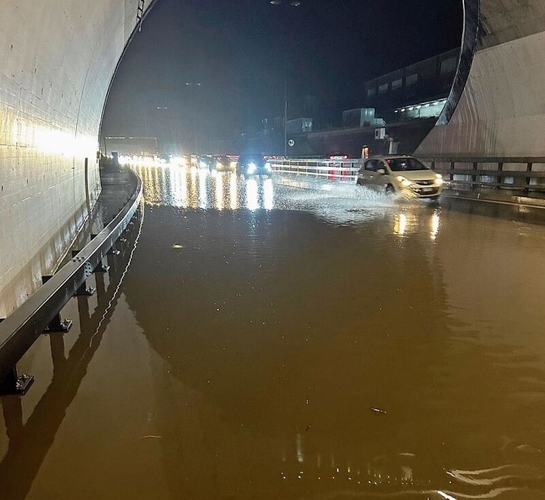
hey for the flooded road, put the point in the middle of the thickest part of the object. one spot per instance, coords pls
(293, 339)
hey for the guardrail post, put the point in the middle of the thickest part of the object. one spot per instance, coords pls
(452, 163)
(101, 268)
(499, 179)
(83, 290)
(15, 384)
(474, 177)
(529, 168)
(57, 324)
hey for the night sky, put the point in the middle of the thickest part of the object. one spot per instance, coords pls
(244, 53)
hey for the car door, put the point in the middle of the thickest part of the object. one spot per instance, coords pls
(367, 174)
(381, 178)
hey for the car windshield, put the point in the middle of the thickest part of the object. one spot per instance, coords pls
(222, 159)
(405, 165)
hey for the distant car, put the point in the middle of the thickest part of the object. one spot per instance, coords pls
(403, 175)
(253, 164)
(338, 157)
(185, 160)
(223, 163)
(205, 161)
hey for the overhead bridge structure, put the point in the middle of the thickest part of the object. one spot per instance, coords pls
(58, 59)
(497, 104)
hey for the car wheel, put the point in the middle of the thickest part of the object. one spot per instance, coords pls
(390, 191)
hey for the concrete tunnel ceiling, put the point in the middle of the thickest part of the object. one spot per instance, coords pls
(58, 61)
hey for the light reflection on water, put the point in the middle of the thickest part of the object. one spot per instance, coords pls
(345, 204)
(197, 188)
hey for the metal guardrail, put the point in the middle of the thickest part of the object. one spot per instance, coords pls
(468, 172)
(41, 312)
(333, 169)
(498, 174)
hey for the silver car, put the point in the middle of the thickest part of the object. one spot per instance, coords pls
(403, 175)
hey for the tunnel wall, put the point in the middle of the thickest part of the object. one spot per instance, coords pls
(57, 60)
(500, 110)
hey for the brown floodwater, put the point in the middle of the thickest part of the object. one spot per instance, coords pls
(292, 339)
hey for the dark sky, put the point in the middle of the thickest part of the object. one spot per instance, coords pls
(244, 51)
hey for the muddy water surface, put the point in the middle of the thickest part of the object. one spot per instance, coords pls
(285, 339)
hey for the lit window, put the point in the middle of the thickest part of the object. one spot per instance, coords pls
(397, 84)
(383, 88)
(371, 92)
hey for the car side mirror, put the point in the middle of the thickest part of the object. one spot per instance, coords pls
(381, 171)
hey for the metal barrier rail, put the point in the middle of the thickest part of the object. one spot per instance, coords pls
(498, 178)
(41, 312)
(473, 177)
(343, 169)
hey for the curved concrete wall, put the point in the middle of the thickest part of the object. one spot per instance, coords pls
(57, 60)
(501, 111)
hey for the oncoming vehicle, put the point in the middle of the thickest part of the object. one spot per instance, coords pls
(205, 161)
(253, 164)
(222, 163)
(404, 175)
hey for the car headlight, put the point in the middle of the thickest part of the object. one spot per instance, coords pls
(251, 168)
(218, 165)
(439, 181)
(404, 182)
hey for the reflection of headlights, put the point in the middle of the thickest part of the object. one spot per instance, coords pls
(404, 182)
(203, 164)
(251, 168)
(267, 166)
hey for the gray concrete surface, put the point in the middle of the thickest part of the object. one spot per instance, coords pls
(57, 61)
(502, 108)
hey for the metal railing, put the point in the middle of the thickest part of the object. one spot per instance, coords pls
(41, 312)
(513, 173)
(332, 169)
(526, 174)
